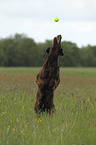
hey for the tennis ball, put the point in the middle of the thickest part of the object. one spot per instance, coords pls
(56, 19)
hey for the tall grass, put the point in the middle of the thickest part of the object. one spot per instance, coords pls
(74, 122)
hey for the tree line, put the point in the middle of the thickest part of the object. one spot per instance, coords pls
(20, 50)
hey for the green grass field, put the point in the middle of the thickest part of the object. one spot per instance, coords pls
(74, 122)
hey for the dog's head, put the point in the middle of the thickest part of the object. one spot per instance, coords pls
(56, 48)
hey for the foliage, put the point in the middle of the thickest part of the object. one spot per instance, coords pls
(20, 50)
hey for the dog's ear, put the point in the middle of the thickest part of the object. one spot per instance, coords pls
(61, 52)
(48, 49)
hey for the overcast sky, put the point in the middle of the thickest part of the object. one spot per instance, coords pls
(77, 19)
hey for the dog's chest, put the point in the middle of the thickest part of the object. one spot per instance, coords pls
(51, 73)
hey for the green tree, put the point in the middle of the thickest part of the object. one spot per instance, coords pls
(19, 50)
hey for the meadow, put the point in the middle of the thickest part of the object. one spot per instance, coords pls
(73, 123)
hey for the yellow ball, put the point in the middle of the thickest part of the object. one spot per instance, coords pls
(56, 19)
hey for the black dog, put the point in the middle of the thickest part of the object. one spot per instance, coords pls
(48, 78)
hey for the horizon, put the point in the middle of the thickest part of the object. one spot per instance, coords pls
(77, 20)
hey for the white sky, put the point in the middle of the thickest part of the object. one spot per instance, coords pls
(77, 19)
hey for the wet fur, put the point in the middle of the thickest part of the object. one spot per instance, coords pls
(48, 79)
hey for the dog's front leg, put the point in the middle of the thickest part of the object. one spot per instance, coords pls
(57, 80)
